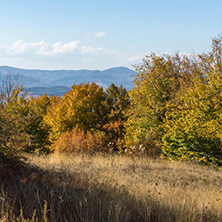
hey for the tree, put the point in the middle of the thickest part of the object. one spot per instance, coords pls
(13, 138)
(118, 102)
(35, 126)
(83, 106)
(193, 125)
(156, 83)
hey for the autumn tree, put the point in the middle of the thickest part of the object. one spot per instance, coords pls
(176, 105)
(84, 106)
(35, 126)
(193, 125)
(156, 83)
(13, 137)
(118, 102)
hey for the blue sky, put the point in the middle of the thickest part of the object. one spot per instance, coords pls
(99, 34)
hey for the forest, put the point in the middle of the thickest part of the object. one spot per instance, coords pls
(173, 111)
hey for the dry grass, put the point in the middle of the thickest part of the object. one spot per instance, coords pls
(82, 187)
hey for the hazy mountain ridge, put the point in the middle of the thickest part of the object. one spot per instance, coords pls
(53, 90)
(57, 82)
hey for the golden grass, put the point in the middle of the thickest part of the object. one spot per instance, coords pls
(81, 187)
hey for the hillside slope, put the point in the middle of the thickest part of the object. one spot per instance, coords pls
(66, 78)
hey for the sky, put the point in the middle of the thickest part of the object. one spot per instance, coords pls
(100, 34)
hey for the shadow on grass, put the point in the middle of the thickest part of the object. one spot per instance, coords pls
(55, 196)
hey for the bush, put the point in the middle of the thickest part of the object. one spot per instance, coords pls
(75, 140)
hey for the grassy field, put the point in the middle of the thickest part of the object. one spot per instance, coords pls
(83, 187)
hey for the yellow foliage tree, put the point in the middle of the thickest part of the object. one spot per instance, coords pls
(193, 125)
(84, 106)
(156, 83)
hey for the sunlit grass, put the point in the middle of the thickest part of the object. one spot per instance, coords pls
(82, 187)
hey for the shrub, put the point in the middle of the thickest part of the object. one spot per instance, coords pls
(75, 140)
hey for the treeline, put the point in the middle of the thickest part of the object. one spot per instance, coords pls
(174, 110)
(86, 118)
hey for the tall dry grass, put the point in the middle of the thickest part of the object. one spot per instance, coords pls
(81, 187)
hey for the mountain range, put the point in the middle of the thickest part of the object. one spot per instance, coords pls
(57, 82)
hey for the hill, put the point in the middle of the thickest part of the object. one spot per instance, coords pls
(57, 82)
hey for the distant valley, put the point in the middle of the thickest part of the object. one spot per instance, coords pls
(58, 82)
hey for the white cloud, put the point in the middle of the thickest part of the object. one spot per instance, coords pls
(134, 59)
(42, 54)
(100, 34)
(41, 48)
(91, 51)
(60, 48)
(21, 47)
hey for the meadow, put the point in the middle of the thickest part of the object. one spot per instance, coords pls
(109, 187)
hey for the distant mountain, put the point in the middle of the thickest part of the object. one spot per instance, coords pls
(57, 82)
(50, 91)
